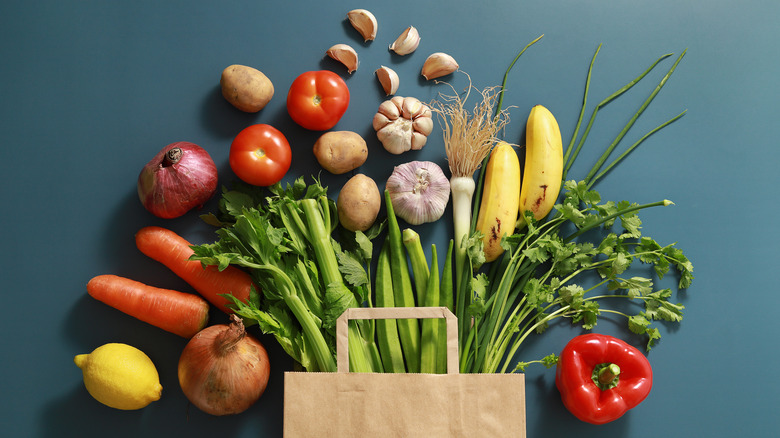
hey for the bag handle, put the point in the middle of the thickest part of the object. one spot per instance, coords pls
(342, 329)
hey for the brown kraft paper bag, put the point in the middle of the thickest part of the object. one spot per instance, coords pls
(344, 404)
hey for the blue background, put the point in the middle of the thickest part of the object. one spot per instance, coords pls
(91, 90)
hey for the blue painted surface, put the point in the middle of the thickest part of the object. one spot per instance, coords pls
(92, 90)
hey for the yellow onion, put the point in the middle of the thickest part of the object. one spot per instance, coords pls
(223, 370)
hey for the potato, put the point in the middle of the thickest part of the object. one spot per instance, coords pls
(340, 151)
(358, 203)
(246, 88)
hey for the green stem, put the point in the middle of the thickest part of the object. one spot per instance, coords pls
(582, 113)
(526, 331)
(633, 208)
(606, 375)
(601, 104)
(634, 146)
(506, 74)
(633, 119)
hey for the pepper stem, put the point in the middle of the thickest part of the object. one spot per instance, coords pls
(606, 375)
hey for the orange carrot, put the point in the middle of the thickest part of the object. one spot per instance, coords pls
(177, 312)
(174, 251)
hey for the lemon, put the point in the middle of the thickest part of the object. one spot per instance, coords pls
(120, 376)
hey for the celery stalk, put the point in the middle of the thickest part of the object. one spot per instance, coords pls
(319, 236)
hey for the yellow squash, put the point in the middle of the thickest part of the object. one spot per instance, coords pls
(500, 199)
(543, 164)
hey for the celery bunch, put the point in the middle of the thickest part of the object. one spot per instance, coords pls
(306, 278)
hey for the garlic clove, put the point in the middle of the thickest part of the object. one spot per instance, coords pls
(388, 78)
(398, 101)
(418, 141)
(407, 42)
(437, 65)
(364, 22)
(411, 107)
(344, 54)
(423, 125)
(380, 121)
(390, 109)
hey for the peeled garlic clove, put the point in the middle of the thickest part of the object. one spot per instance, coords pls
(345, 55)
(407, 42)
(388, 78)
(419, 191)
(437, 65)
(364, 22)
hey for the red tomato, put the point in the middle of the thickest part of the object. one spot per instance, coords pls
(260, 155)
(317, 100)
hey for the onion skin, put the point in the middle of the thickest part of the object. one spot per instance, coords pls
(169, 189)
(223, 370)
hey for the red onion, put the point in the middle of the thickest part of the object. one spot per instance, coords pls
(180, 177)
(223, 370)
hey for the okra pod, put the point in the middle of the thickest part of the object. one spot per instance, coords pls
(408, 329)
(430, 327)
(387, 329)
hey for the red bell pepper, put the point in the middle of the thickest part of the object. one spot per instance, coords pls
(601, 377)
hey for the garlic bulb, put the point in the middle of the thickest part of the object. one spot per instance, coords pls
(419, 191)
(403, 123)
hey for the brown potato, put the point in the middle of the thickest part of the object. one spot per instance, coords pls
(340, 151)
(246, 88)
(358, 203)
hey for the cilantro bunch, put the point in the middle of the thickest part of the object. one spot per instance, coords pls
(536, 280)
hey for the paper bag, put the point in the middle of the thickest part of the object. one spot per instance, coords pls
(344, 404)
